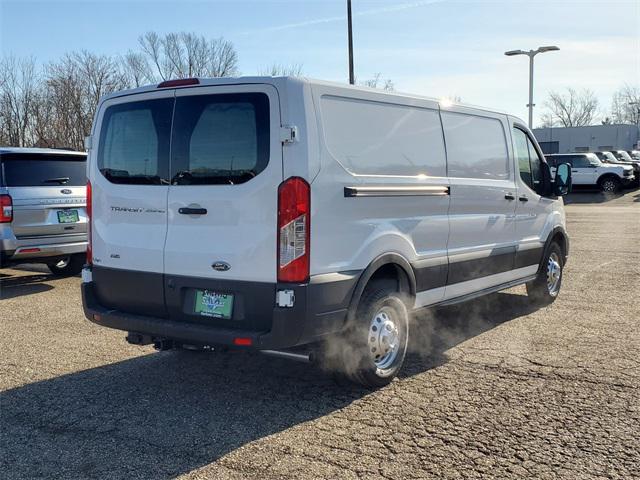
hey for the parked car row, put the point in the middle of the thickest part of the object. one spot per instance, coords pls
(608, 171)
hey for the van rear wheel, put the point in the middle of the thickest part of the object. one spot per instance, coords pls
(376, 344)
(546, 287)
(68, 267)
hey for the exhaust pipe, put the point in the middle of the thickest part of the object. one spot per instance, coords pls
(296, 357)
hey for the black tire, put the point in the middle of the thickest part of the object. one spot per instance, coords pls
(610, 184)
(68, 267)
(546, 287)
(383, 311)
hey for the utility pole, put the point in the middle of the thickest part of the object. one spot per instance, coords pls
(352, 79)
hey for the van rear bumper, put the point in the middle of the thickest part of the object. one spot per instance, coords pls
(320, 309)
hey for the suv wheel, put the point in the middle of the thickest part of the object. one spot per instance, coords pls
(546, 287)
(610, 185)
(374, 348)
(69, 266)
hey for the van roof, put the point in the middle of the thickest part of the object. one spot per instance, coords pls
(288, 80)
(41, 151)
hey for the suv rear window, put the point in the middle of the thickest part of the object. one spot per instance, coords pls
(43, 170)
(219, 139)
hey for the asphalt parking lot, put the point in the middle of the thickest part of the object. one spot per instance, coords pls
(492, 389)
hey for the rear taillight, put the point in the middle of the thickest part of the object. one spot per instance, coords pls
(89, 215)
(6, 209)
(294, 225)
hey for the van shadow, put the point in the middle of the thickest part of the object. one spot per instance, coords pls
(434, 331)
(12, 286)
(168, 413)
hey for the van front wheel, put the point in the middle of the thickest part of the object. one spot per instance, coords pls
(546, 287)
(372, 351)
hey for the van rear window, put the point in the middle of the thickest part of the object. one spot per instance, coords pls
(134, 142)
(44, 170)
(220, 139)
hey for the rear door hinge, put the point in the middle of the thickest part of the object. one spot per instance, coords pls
(288, 134)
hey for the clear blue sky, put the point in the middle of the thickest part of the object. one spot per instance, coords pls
(431, 47)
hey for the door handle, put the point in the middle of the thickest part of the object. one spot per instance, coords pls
(509, 196)
(523, 198)
(574, 171)
(192, 211)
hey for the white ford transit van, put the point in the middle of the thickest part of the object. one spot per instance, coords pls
(270, 213)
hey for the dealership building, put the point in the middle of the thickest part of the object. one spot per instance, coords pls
(588, 139)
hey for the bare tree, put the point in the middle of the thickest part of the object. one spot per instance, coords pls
(573, 109)
(183, 55)
(135, 69)
(625, 105)
(74, 85)
(279, 70)
(19, 93)
(377, 82)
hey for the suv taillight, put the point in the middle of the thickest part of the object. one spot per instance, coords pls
(6, 209)
(89, 215)
(294, 224)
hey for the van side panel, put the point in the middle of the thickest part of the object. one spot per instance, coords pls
(482, 240)
(301, 158)
(379, 147)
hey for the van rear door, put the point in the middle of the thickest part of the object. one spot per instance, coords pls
(226, 165)
(129, 174)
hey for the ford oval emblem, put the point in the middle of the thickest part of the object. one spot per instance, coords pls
(66, 191)
(221, 266)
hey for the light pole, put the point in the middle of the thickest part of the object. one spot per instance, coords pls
(637, 105)
(352, 79)
(531, 54)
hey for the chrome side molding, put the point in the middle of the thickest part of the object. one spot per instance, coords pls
(397, 191)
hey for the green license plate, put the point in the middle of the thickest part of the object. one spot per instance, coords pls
(213, 304)
(68, 216)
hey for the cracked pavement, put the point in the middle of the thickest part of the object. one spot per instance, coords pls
(492, 388)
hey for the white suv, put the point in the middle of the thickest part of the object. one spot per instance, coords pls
(270, 213)
(588, 170)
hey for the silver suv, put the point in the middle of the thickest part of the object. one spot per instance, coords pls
(43, 217)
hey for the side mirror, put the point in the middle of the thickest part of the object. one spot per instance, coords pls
(545, 188)
(562, 180)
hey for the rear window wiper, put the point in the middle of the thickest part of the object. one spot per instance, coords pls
(58, 180)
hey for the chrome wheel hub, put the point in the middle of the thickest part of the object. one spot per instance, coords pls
(609, 186)
(554, 272)
(63, 263)
(384, 339)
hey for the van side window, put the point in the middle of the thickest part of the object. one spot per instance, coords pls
(476, 147)
(374, 138)
(522, 155)
(220, 139)
(536, 166)
(134, 142)
(529, 162)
